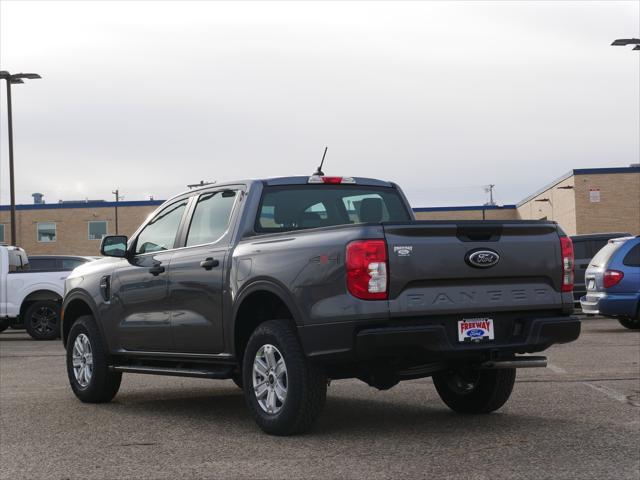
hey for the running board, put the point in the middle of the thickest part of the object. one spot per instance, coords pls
(518, 362)
(219, 373)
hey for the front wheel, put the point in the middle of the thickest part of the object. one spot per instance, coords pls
(88, 365)
(42, 320)
(470, 390)
(284, 392)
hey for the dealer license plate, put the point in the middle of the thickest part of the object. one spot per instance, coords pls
(591, 285)
(475, 329)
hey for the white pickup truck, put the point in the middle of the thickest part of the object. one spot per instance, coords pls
(30, 298)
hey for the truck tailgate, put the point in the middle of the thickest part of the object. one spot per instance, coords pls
(430, 270)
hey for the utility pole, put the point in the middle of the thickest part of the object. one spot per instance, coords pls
(489, 189)
(11, 79)
(116, 192)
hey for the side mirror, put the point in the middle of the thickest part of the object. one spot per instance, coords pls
(114, 246)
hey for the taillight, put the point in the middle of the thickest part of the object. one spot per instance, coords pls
(566, 247)
(330, 180)
(366, 264)
(611, 278)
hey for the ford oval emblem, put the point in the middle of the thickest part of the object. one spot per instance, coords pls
(475, 332)
(482, 258)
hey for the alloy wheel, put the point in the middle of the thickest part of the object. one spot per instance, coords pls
(270, 379)
(44, 320)
(82, 360)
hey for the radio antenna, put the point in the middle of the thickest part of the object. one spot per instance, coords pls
(319, 170)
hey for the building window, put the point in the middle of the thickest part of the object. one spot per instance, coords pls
(47, 232)
(1, 233)
(97, 230)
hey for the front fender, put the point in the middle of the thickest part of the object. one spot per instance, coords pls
(81, 295)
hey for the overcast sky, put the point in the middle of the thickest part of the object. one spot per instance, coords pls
(441, 97)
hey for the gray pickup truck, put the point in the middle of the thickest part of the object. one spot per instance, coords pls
(285, 284)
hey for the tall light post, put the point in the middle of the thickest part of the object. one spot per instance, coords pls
(13, 79)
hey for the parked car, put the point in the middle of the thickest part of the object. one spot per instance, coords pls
(31, 298)
(613, 282)
(584, 248)
(282, 284)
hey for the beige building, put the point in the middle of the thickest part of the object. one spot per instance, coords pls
(589, 200)
(74, 228)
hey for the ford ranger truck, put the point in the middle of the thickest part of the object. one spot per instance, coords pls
(285, 284)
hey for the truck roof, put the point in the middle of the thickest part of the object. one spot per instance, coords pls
(281, 181)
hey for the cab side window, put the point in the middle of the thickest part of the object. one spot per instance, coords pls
(160, 233)
(632, 259)
(211, 217)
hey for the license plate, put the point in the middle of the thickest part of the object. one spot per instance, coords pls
(591, 285)
(475, 329)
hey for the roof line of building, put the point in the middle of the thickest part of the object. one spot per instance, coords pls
(576, 172)
(464, 207)
(53, 206)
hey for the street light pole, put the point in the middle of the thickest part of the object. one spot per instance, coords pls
(12, 189)
(15, 78)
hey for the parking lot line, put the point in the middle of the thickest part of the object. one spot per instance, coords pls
(611, 393)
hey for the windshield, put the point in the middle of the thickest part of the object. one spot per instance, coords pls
(310, 206)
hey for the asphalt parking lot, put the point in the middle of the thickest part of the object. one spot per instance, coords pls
(579, 418)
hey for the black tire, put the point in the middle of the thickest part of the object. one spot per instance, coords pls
(103, 384)
(475, 391)
(42, 320)
(4, 324)
(630, 323)
(306, 383)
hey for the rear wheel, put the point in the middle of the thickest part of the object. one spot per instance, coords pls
(87, 363)
(284, 392)
(470, 390)
(42, 320)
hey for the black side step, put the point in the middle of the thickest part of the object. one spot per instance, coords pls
(208, 371)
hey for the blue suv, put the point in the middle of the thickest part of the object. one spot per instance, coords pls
(613, 282)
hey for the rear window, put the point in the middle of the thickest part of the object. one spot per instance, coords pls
(310, 206)
(18, 261)
(605, 253)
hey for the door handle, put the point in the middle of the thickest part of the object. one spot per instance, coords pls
(156, 270)
(209, 263)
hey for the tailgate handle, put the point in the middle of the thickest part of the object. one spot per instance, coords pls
(479, 233)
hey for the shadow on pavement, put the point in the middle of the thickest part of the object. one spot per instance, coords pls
(351, 416)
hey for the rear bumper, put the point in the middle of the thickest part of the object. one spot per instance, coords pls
(433, 341)
(611, 304)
